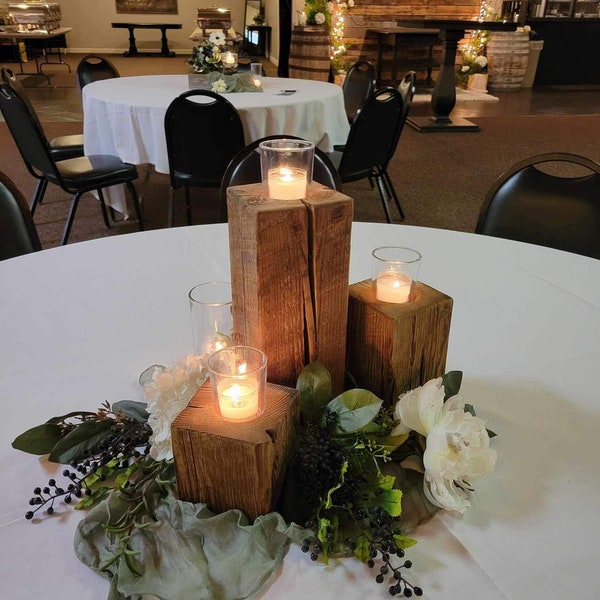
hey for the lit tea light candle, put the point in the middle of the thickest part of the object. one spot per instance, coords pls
(393, 286)
(228, 59)
(287, 183)
(238, 401)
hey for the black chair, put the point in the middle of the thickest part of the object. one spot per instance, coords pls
(202, 138)
(407, 88)
(244, 168)
(359, 84)
(61, 148)
(74, 175)
(94, 68)
(554, 210)
(371, 144)
(18, 234)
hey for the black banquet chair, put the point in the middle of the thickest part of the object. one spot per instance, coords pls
(94, 68)
(360, 83)
(371, 144)
(244, 168)
(18, 234)
(203, 132)
(61, 148)
(407, 88)
(74, 175)
(558, 209)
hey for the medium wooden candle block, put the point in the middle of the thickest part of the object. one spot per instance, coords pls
(393, 348)
(234, 465)
(290, 261)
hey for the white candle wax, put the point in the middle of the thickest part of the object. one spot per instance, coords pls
(393, 286)
(287, 183)
(238, 400)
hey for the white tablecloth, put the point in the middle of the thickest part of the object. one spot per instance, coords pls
(79, 323)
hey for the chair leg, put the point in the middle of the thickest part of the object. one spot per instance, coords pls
(40, 190)
(188, 205)
(103, 207)
(171, 208)
(136, 204)
(69, 224)
(392, 192)
(381, 186)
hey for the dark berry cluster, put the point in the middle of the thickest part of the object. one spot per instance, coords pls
(126, 441)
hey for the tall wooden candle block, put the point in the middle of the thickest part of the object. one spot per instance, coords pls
(290, 261)
(393, 348)
(234, 465)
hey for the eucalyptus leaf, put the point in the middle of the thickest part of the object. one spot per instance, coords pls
(39, 440)
(84, 437)
(452, 381)
(314, 384)
(132, 409)
(355, 409)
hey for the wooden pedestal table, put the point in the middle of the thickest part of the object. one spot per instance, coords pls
(164, 48)
(443, 98)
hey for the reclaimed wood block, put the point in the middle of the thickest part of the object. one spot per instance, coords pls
(393, 348)
(234, 465)
(289, 276)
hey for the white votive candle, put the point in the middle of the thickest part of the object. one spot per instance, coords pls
(393, 286)
(287, 183)
(238, 401)
(228, 58)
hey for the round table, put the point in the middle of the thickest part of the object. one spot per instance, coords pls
(80, 322)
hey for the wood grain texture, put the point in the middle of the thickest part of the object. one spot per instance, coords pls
(234, 465)
(393, 348)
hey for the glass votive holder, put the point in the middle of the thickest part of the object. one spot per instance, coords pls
(229, 60)
(238, 378)
(212, 321)
(395, 272)
(256, 69)
(286, 167)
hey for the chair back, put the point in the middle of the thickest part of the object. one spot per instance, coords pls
(373, 135)
(202, 138)
(26, 131)
(18, 234)
(359, 84)
(531, 205)
(8, 76)
(407, 88)
(94, 68)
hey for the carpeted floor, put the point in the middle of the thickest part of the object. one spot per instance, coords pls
(441, 178)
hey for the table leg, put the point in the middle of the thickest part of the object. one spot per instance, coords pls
(443, 98)
(164, 47)
(133, 51)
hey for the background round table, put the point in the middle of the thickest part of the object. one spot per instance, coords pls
(79, 323)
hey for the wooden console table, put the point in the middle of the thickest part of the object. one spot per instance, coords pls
(133, 51)
(403, 37)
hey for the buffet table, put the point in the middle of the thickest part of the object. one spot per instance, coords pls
(79, 324)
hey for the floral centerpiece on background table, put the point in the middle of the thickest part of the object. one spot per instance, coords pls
(362, 477)
(207, 56)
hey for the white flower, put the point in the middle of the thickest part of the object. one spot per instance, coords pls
(319, 18)
(481, 61)
(457, 443)
(219, 86)
(217, 37)
(351, 3)
(464, 68)
(168, 393)
(329, 7)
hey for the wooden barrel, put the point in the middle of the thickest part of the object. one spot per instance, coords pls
(309, 54)
(507, 53)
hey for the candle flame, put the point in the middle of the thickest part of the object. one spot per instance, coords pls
(242, 368)
(285, 173)
(234, 392)
(396, 284)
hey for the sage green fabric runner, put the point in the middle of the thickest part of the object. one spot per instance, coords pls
(189, 553)
(239, 82)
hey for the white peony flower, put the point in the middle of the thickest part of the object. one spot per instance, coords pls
(319, 18)
(481, 61)
(168, 393)
(219, 86)
(457, 443)
(351, 3)
(217, 37)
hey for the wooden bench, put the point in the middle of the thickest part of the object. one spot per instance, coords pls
(133, 51)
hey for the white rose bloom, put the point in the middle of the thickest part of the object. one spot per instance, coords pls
(351, 3)
(481, 61)
(319, 18)
(457, 450)
(219, 86)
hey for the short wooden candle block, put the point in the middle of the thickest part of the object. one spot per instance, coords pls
(290, 261)
(234, 465)
(393, 348)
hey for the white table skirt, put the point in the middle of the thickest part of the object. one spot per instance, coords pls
(80, 322)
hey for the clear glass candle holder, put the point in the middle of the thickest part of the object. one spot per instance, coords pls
(256, 69)
(229, 60)
(395, 273)
(238, 378)
(286, 167)
(212, 321)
